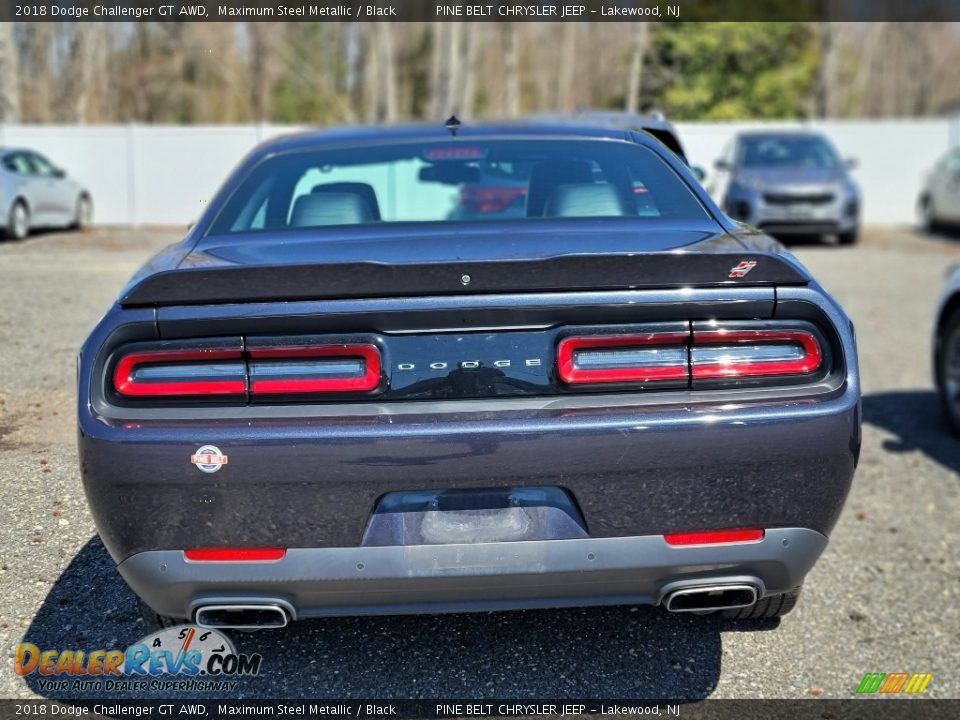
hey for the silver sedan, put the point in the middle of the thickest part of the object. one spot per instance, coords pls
(34, 193)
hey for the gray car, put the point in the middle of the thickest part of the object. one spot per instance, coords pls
(35, 193)
(788, 183)
(939, 203)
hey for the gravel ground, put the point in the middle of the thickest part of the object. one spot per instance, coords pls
(884, 598)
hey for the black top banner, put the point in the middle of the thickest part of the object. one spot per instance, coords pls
(480, 10)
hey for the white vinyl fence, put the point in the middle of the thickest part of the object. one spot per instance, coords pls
(165, 174)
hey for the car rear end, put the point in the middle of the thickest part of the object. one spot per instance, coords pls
(262, 442)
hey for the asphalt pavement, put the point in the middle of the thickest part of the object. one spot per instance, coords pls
(885, 597)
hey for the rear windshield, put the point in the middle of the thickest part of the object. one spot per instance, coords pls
(457, 181)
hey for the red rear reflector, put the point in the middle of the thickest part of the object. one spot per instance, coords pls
(753, 353)
(715, 537)
(317, 369)
(651, 357)
(158, 373)
(234, 554)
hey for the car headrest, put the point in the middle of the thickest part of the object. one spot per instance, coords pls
(547, 176)
(586, 200)
(324, 208)
(364, 190)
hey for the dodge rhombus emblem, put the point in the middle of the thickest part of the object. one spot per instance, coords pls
(742, 268)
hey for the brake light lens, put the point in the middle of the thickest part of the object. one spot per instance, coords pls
(738, 353)
(318, 369)
(177, 373)
(235, 554)
(715, 537)
(643, 358)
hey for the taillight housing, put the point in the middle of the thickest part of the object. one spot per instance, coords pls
(182, 370)
(694, 355)
(743, 352)
(231, 370)
(658, 356)
(341, 368)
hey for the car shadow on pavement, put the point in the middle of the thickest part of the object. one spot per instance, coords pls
(611, 652)
(914, 418)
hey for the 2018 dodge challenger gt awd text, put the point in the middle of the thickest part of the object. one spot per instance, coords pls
(335, 396)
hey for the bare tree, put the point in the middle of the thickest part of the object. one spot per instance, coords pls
(568, 58)
(511, 85)
(635, 76)
(9, 80)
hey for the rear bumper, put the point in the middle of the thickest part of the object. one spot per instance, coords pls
(632, 470)
(312, 582)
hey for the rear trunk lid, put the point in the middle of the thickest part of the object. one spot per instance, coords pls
(423, 259)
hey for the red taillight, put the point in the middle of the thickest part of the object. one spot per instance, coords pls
(318, 369)
(740, 353)
(490, 199)
(235, 554)
(166, 373)
(650, 357)
(714, 537)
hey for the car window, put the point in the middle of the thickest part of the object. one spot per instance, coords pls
(18, 163)
(457, 181)
(772, 151)
(41, 166)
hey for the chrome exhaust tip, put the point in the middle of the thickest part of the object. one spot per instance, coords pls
(241, 617)
(706, 598)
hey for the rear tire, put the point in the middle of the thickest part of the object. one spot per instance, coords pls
(849, 237)
(928, 215)
(154, 621)
(771, 606)
(84, 213)
(948, 383)
(18, 221)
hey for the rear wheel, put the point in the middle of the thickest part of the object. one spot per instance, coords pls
(948, 371)
(18, 221)
(84, 212)
(849, 237)
(928, 215)
(771, 606)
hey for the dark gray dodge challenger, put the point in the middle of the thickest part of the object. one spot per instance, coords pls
(335, 396)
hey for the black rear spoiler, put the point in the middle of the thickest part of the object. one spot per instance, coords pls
(263, 283)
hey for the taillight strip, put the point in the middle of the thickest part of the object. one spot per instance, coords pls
(650, 357)
(288, 370)
(235, 554)
(715, 537)
(126, 382)
(750, 353)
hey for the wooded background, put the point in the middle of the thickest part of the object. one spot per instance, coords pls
(322, 73)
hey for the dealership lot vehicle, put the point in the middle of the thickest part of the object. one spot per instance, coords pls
(37, 194)
(61, 588)
(788, 183)
(939, 202)
(346, 399)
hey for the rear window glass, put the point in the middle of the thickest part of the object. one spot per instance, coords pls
(457, 181)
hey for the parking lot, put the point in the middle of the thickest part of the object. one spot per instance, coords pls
(884, 598)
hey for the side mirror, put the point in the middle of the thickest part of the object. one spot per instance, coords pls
(721, 164)
(852, 163)
(59, 173)
(698, 172)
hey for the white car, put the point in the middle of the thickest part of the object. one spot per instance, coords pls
(939, 203)
(35, 193)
